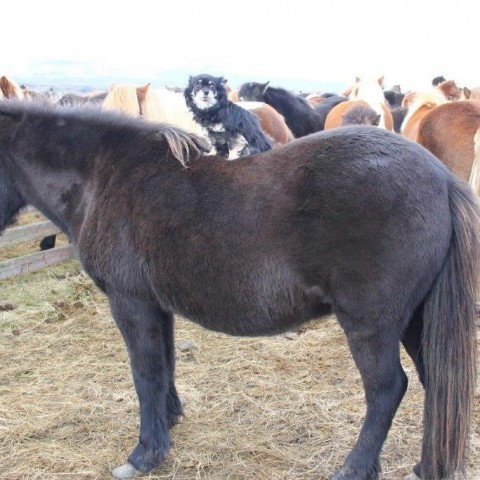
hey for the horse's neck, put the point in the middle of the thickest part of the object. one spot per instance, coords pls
(412, 119)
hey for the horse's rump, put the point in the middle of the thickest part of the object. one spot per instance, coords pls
(449, 132)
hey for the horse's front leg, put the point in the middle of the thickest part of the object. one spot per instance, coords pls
(148, 334)
(375, 349)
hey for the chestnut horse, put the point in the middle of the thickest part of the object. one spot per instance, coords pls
(272, 122)
(357, 221)
(371, 93)
(452, 133)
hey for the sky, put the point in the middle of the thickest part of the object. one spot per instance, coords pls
(291, 43)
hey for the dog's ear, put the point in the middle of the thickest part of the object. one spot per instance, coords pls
(223, 80)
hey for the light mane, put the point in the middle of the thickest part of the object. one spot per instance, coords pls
(430, 98)
(122, 98)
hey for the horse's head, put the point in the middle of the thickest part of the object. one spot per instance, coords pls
(11, 200)
(450, 90)
(368, 89)
(253, 92)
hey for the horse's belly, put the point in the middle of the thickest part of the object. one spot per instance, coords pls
(244, 313)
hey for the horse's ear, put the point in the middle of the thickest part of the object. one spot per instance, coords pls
(264, 86)
(380, 80)
(144, 88)
(142, 91)
(357, 79)
(466, 92)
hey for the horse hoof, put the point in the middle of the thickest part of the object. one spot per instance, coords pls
(411, 476)
(126, 471)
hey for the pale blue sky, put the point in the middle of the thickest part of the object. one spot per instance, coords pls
(409, 41)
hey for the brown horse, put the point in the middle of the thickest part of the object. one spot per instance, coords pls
(357, 221)
(352, 112)
(452, 133)
(271, 121)
(370, 92)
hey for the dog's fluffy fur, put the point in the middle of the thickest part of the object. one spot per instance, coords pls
(233, 131)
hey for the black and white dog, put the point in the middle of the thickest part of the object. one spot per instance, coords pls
(233, 131)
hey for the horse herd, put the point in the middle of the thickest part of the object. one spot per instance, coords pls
(354, 220)
(444, 119)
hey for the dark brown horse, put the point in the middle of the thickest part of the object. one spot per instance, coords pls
(299, 115)
(357, 221)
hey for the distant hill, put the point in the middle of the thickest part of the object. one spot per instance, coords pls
(67, 76)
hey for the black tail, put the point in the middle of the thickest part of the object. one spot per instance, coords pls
(449, 342)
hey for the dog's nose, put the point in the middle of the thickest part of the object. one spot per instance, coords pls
(206, 92)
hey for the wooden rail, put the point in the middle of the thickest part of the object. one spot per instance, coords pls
(34, 261)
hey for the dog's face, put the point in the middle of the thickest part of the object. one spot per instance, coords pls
(205, 91)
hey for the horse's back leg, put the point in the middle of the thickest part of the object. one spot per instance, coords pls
(148, 334)
(412, 341)
(375, 348)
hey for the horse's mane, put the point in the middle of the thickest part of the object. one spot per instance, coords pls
(160, 105)
(122, 98)
(430, 98)
(184, 146)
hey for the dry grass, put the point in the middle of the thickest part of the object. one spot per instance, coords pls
(261, 409)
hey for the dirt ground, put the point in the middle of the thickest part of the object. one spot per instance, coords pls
(256, 408)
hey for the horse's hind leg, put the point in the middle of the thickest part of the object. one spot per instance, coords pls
(148, 333)
(412, 341)
(375, 349)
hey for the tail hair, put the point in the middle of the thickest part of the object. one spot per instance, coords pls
(449, 342)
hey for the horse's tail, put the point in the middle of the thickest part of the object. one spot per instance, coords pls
(474, 179)
(449, 343)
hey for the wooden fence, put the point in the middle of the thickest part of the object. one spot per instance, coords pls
(34, 261)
